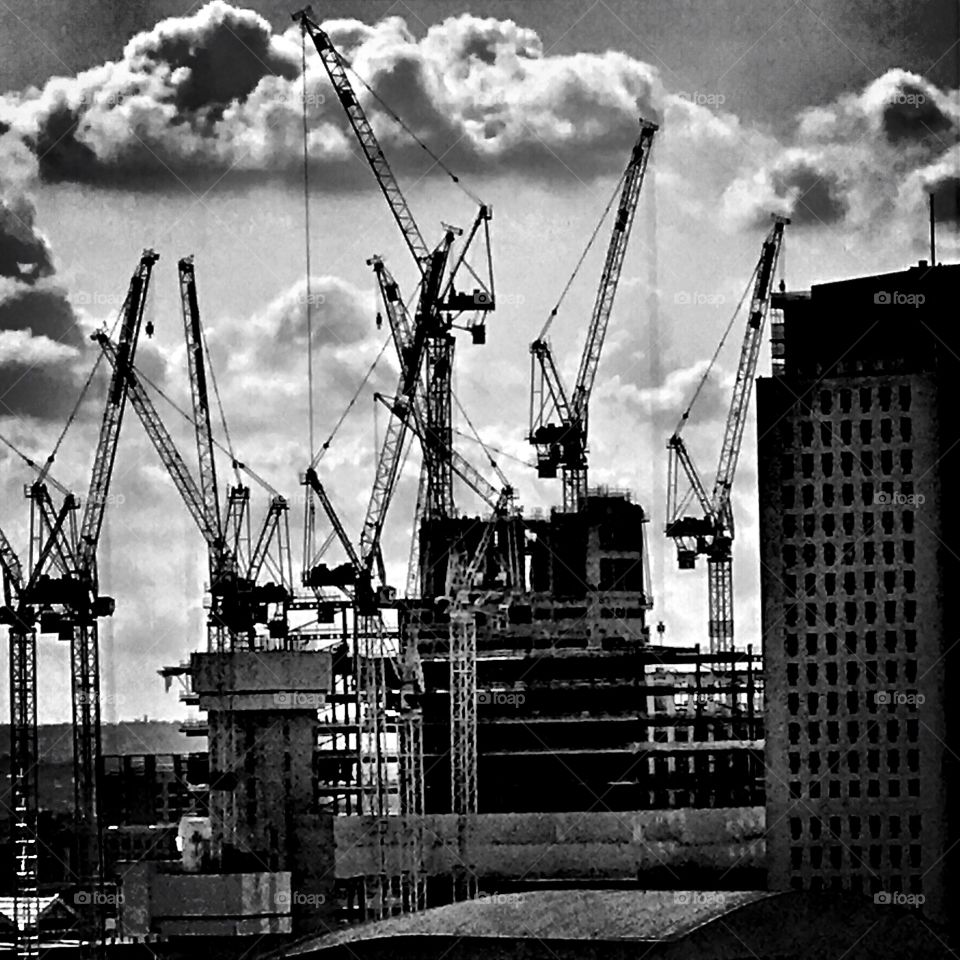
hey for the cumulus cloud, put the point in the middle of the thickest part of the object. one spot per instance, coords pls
(866, 158)
(218, 90)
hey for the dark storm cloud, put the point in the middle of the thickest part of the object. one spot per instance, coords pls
(24, 254)
(818, 196)
(40, 343)
(912, 115)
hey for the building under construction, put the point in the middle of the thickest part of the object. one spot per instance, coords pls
(508, 721)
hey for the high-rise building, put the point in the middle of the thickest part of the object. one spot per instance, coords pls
(859, 463)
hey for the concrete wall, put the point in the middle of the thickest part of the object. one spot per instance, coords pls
(575, 846)
(177, 904)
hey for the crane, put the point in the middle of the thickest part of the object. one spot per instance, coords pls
(440, 305)
(20, 612)
(79, 592)
(563, 444)
(712, 532)
(67, 602)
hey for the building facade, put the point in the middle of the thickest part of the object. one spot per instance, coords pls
(859, 456)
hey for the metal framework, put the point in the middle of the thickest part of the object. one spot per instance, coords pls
(440, 306)
(563, 444)
(711, 534)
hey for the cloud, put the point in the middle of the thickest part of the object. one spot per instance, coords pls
(42, 351)
(217, 91)
(24, 254)
(866, 158)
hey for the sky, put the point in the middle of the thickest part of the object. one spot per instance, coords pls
(124, 126)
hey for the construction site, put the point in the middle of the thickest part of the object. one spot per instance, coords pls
(509, 719)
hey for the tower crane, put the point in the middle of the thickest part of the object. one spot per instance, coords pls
(245, 607)
(229, 622)
(440, 305)
(79, 592)
(20, 613)
(563, 444)
(711, 533)
(67, 602)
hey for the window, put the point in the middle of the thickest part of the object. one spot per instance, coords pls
(864, 399)
(866, 431)
(904, 398)
(906, 431)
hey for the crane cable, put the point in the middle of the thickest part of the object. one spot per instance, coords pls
(266, 485)
(43, 472)
(319, 455)
(716, 353)
(76, 407)
(397, 119)
(476, 437)
(306, 240)
(497, 450)
(583, 256)
(223, 418)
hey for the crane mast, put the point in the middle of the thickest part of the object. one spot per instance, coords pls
(89, 605)
(564, 444)
(712, 533)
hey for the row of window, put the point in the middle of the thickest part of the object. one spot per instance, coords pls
(912, 883)
(888, 492)
(828, 674)
(855, 788)
(817, 644)
(855, 826)
(889, 581)
(890, 522)
(892, 760)
(884, 397)
(850, 552)
(842, 431)
(836, 857)
(830, 703)
(863, 463)
(853, 612)
(830, 731)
